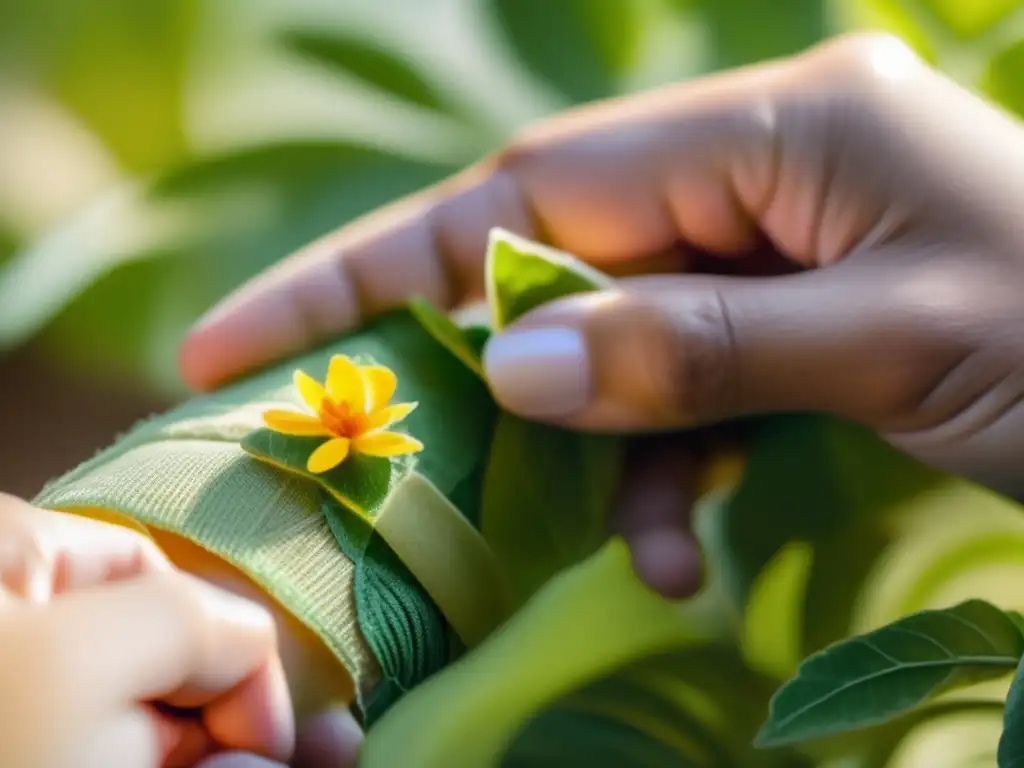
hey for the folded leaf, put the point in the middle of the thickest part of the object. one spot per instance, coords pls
(696, 705)
(587, 622)
(579, 47)
(547, 491)
(566, 738)
(1011, 745)
(262, 521)
(403, 627)
(448, 556)
(185, 472)
(522, 275)
(798, 466)
(872, 678)
(361, 483)
(546, 496)
(465, 344)
(364, 59)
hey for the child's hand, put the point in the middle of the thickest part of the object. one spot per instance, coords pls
(98, 633)
(894, 192)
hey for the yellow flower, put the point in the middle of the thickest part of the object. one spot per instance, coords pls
(352, 409)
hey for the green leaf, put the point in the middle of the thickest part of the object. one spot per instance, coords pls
(745, 32)
(163, 252)
(1004, 78)
(466, 346)
(37, 282)
(1017, 618)
(878, 676)
(774, 620)
(901, 19)
(547, 490)
(971, 19)
(887, 745)
(361, 483)
(368, 61)
(798, 466)
(842, 564)
(694, 706)
(1011, 745)
(565, 738)
(586, 623)
(454, 420)
(580, 47)
(123, 68)
(403, 627)
(546, 495)
(522, 275)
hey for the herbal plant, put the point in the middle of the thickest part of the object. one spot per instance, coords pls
(850, 617)
(656, 684)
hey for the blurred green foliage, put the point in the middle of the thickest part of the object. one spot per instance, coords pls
(207, 215)
(186, 178)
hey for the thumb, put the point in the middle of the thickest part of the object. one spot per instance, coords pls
(665, 352)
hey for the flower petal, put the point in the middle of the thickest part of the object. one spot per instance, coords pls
(310, 390)
(294, 423)
(381, 383)
(386, 444)
(393, 414)
(345, 383)
(328, 456)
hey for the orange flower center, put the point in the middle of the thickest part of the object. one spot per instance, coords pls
(339, 420)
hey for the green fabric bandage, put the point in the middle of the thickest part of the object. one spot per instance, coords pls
(382, 561)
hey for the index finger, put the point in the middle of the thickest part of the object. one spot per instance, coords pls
(614, 183)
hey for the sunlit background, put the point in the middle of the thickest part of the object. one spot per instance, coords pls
(154, 155)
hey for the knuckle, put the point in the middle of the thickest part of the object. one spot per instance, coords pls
(690, 360)
(514, 156)
(703, 360)
(867, 70)
(176, 591)
(184, 610)
(26, 559)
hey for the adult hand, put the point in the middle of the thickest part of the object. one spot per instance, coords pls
(102, 643)
(883, 199)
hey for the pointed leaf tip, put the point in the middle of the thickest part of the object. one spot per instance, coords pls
(521, 275)
(462, 343)
(872, 678)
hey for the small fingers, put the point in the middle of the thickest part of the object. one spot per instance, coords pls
(332, 738)
(170, 637)
(43, 553)
(653, 514)
(239, 760)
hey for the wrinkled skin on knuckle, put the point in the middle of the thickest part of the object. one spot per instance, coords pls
(848, 164)
(958, 328)
(25, 557)
(677, 359)
(187, 610)
(702, 380)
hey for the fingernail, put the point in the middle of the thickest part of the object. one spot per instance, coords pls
(543, 373)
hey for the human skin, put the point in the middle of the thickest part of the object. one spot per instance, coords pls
(876, 202)
(856, 219)
(98, 630)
